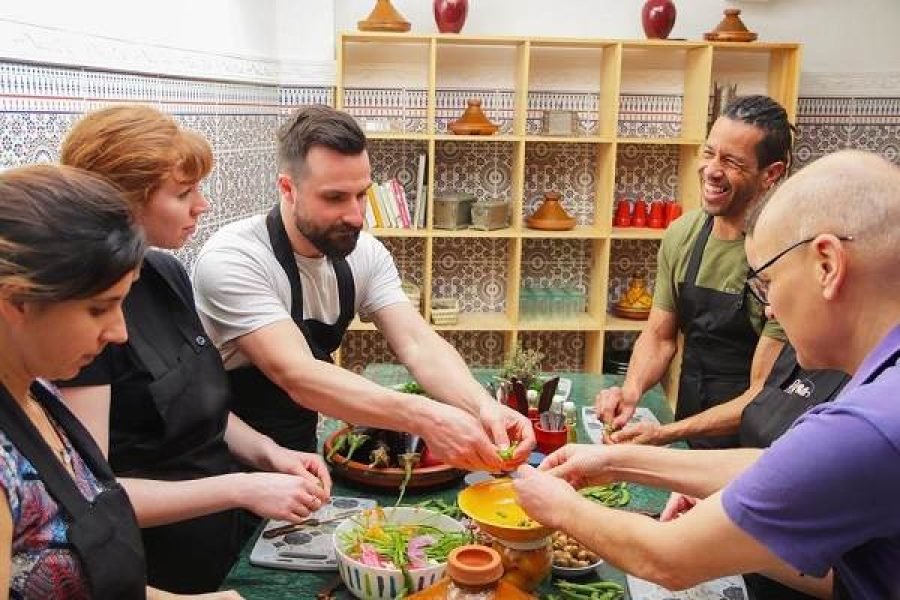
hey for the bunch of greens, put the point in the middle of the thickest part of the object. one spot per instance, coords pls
(614, 495)
(597, 590)
(412, 387)
(524, 365)
(449, 509)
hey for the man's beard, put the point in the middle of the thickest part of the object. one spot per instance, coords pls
(334, 242)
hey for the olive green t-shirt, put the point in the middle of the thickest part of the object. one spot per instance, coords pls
(723, 267)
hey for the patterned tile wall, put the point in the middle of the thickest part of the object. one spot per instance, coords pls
(38, 104)
(563, 351)
(479, 348)
(557, 264)
(567, 168)
(472, 270)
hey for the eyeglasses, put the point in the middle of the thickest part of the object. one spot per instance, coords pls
(760, 288)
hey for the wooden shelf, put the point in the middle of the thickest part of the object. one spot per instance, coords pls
(517, 71)
(582, 322)
(614, 323)
(487, 321)
(397, 135)
(398, 232)
(452, 137)
(659, 141)
(637, 233)
(357, 325)
(508, 232)
(559, 139)
(578, 232)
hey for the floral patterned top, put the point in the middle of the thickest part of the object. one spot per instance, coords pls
(44, 564)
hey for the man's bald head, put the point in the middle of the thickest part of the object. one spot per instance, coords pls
(846, 193)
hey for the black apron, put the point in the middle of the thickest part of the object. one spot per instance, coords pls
(104, 533)
(719, 342)
(190, 391)
(789, 392)
(260, 402)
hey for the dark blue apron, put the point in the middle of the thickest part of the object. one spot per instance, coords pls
(260, 402)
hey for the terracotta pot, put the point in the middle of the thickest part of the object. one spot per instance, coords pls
(658, 18)
(551, 215)
(450, 15)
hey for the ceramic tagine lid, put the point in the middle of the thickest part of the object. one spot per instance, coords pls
(730, 29)
(473, 121)
(551, 215)
(384, 17)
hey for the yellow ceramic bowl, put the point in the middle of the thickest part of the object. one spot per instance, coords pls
(493, 506)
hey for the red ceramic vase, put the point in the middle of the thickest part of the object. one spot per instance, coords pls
(658, 18)
(450, 15)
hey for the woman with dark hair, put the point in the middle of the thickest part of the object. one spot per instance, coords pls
(160, 402)
(69, 252)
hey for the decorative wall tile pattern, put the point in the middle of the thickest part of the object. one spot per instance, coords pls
(563, 351)
(481, 169)
(566, 168)
(360, 348)
(472, 270)
(649, 172)
(586, 107)
(479, 348)
(631, 258)
(403, 110)
(409, 256)
(293, 96)
(557, 263)
(650, 116)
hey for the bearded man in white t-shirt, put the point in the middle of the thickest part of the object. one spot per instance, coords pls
(276, 293)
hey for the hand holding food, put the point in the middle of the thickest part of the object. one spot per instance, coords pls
(581, 465)
(615, 406)
(543, 497)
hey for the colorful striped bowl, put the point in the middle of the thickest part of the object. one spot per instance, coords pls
(371, 583)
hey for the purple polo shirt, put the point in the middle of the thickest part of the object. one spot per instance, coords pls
(827, 494)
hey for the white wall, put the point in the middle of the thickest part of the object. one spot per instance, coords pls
(849, 47)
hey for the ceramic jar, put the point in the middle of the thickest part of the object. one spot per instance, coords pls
(450, 15)
(658, 18)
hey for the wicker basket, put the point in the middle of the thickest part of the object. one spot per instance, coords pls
(413, 293)
(444, 311)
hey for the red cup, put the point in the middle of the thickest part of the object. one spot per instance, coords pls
(639, 218)
(623, 214)
(673, 211)
(548, 441)
(657, 218)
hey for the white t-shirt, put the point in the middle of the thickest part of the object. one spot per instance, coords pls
(240, 287)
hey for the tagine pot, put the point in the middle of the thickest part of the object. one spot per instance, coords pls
(450, 15)
(658, 18)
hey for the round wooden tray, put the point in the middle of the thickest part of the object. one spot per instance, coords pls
(388, 478)
(635, 314)
(550, 224)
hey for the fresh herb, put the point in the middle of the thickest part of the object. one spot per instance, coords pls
(408, 461)
(412, 387)
(339, 443)
(355, 440)
(524, 365)
(449, 509)
(380, 456)
(597, 590)
(614, 495)
(508, 452)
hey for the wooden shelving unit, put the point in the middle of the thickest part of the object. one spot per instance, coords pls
(519, 70)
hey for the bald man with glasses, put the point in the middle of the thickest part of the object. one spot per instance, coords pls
(817, 510)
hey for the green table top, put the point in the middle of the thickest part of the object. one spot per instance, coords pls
(260, 583)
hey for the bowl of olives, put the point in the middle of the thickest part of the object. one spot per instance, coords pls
(570, 558)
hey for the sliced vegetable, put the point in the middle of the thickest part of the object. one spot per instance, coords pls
(355, 440)
(339, 443)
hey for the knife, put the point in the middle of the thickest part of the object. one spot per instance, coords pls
(548, 390)
(292, 527)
